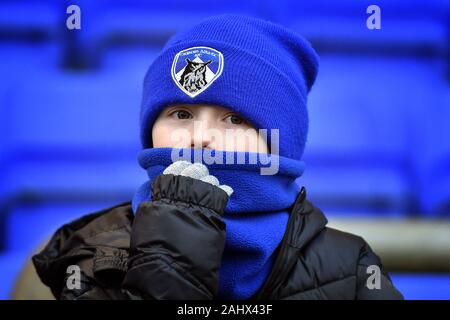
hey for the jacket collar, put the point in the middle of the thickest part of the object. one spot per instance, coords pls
(309, 221)
(305, 222)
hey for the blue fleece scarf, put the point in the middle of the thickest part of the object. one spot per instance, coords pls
(256, 214)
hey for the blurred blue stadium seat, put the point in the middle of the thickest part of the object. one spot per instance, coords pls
(365, 117)
(29, 225)
(362, 124)
(109, 23)
(423, 286)
(74, 132)
(78, 108)
(341, 25)
(432, 162)
(31, 18)
(73, 137)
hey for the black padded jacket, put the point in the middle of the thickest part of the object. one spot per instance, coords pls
(172, 249)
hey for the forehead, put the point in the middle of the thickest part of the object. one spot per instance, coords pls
(198, 106)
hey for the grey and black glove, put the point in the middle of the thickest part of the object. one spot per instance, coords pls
(196, 171)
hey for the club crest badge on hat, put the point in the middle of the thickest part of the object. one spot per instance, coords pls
(195, 69)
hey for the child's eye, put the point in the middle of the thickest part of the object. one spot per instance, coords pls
(235, 119)
(181, 114)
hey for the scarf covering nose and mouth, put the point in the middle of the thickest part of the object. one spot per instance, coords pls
(256, 214)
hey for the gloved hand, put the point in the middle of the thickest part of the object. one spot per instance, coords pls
(196, 171)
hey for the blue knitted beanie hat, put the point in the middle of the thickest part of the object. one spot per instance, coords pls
(256, 68)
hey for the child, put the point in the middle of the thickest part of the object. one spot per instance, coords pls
(223, 126)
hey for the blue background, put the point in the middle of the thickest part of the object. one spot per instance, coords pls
(69, 104)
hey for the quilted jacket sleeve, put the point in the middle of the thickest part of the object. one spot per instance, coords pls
(177, 241)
